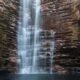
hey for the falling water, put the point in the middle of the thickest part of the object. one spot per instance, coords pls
(24, 36)
(36, 34)
(24, 33)
(29, 43)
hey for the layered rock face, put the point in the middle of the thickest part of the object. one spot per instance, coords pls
(8, 30)
(61, 16)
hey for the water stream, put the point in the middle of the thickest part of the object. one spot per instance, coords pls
(31, 40)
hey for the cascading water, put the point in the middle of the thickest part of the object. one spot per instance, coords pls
(24, 36)
(36, 35)
(24, 33)
(30, 41)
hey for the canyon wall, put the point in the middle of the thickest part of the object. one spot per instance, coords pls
(62, 16)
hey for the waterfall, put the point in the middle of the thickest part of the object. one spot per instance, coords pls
(30, 41)
(24, 36)
(36, 35)
(27, 63)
